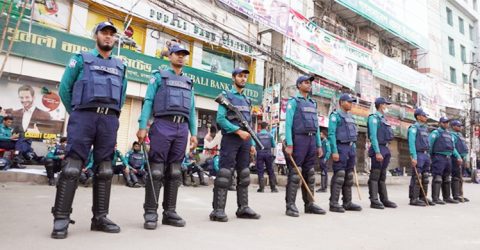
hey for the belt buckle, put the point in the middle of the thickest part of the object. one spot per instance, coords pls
(310, 134)
(102, 110)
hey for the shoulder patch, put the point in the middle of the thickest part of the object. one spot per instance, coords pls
(434, 135)
(374, 121)
(72, 63)
(413, 130)
(333, 118)
(152, 80)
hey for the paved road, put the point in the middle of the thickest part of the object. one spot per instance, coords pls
(25, 223)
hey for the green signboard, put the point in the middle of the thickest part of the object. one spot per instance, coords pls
(16, 7)
(56, 47)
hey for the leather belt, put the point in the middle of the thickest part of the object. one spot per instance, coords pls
(102, 110)
(174, 118)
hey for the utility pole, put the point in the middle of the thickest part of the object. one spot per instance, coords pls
(475, 68)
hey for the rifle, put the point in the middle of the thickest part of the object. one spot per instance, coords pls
(220, 99)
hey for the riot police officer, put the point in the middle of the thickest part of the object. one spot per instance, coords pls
(170, 98)
(442, 149)
(327, 152)
(342, 134)
(380, 134)
(93, 90)
(54, 160)
(236, 147)
(457, 169)
(136, 164)
(302, 136)
(419, 148)
(265, 159)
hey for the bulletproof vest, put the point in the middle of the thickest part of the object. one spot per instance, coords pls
(60, 150)
(174, 97)
(444, 142)
(101, 84)
(421, 139)
(136, 159)
(461, 145)
(305, 119)
(347, 130)
(384, 131)
(266, 140)
(242, 104)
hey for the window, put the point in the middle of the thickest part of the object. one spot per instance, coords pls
(460, 25)
(474, 57)
(470, 32)
(449, 17)
(463, 54)
(465, 78)
(475, 84)
(453, 75)
(451, 46)
(475, 7)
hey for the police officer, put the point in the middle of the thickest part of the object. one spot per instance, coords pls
(327, 152)
(265, 159)
(442, 148)
(419, 148)
(457, 169)
(380, 134)
(136, 164)
(235, 152)
(170, 98)
(342, 134)
(302, 136)
(54, 160)
(93, 92)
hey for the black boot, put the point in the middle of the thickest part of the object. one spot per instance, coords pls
(310, 206)
(462, 198)
(335, 189)
(456, 189)
(436, 186)
(347, 193)
(220, 191)
(323, 183)
(102, 184)
(127, 179)
(425, 182)
(415, 193)
(261, 184)
(382, 190)
(244, 211)
(273, 183)
(49, 166)
(201, 177)
(293, 182)
(184, 178)
(446, 191)
(170, 193)
(153, 185)
(67, 184)
(373, 189)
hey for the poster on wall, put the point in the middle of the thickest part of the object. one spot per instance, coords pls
(271, 104)
(217, 63)
(54, 13)
(35, 107)
(165, 41)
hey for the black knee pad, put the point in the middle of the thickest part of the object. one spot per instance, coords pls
(455, 178)
(349, 179)
(437, 179)
(49, 163)
(71, 172)
(294, 178)
(383, 175)
(311, 176)
(176, 170)
(105, 170)
(425, 179)
(375, 174)
(447, 179)
(157, 170)
(244, 177)
(340, 177)
(223, 178)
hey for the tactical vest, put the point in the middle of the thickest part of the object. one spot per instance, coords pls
(444, 142)
(461, 145)
(305, 119)
(421, 139)
(347, 130)
(266, 140)
(384, 130)
(242, 104)
(101, 84)
(174, 97)
(136, 160)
